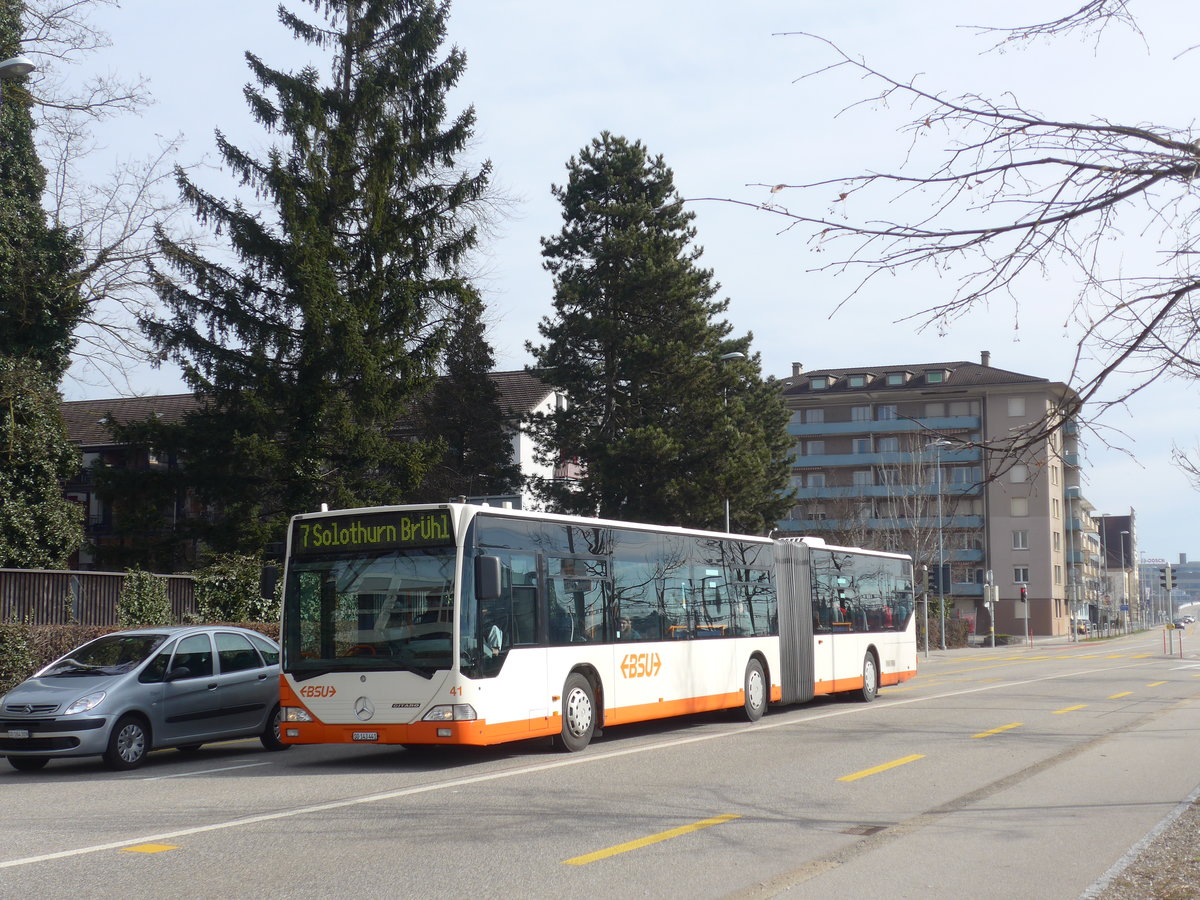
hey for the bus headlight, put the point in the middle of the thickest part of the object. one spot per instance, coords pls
(458, 712)
(295, 714)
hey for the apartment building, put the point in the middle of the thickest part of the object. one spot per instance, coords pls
(906, 458)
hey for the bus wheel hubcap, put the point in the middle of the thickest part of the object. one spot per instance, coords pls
(579, 713)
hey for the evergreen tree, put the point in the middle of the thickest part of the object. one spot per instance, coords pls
(309, 348)
(463, 412)
(664, 423)
(40, 304)
(39, 527)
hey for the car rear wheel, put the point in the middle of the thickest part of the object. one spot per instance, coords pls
(28, 763)
(128, 744)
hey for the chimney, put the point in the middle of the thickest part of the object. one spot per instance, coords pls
(797, 369)
(985, 357)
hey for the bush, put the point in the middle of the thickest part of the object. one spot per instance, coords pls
(17, 658)
(227, 590)
(143, 601)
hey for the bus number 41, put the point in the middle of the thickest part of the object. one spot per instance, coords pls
(640, 665)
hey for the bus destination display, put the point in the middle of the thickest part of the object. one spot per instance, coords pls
(375, 531)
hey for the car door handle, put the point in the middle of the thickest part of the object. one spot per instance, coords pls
(262, 677)
(213, 686)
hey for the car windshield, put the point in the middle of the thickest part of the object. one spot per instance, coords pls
(113, 654)
(391, 610)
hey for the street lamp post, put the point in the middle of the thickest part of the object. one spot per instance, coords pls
(724, 358)
(938, 445)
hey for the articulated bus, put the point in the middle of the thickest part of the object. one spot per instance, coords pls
(463, 624)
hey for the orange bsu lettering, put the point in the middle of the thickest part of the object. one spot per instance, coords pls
(318, 690)
(640, 665)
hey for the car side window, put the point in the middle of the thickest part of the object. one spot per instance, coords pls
(156, 671)
(236, 653)
(195, 654)
(269, 651)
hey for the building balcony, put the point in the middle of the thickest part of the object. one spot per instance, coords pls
(891, 458)
(887, 426)
(863, 491)
(813, 526)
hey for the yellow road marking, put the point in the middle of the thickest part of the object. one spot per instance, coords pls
(1120, 695)
(1059, 712)
(647, 841)
(875, 770)
(149, 848)
(984, 734)
(1156, 683)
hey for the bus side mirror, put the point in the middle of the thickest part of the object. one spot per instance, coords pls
(487, 577)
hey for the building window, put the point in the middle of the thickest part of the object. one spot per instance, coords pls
(1054, 507)
(894, 379)
(887, 444)
(1021, 574)
(1057, 541)
(1016, 406)
(1018, 474)
(935, 410)
(856, 381)
(1020, 539)
(964, 408)
(863, 478)
(814, 416)
(966, 475)
(1054, 474)
(814, 448)
(885, 413)
(1058, 574)
(1018, 506)
(890, 476)
(860, 414)
(860, 445)
(815, 480)
(934, 376)
(818, 383)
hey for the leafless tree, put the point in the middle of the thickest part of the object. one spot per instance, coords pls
(113, 213)
(1014, 194)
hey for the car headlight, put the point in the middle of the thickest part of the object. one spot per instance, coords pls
(458, 712)
(83, 704)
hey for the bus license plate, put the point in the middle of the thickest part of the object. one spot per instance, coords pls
(365, 736)
(18, 733)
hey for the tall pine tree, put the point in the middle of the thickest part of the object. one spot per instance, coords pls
(463, 412)
(309, 347)
(664, 429)
(40, 306)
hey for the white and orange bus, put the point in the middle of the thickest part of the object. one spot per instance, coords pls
(464, 624)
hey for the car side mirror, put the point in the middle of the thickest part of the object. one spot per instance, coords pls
(178, 672)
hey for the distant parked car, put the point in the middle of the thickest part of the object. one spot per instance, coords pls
(1180, 623)
(124, 694)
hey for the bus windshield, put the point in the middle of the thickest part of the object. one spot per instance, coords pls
(383, 611)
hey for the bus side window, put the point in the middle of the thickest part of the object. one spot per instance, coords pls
(524, 614)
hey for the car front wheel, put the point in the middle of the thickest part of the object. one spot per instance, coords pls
(128, 744)
(270, 737)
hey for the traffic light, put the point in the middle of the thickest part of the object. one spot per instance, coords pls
(1024, 593)
(1166, 579)
(937, 579)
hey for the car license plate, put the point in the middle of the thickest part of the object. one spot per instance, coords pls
(365, 736)
(18, 732)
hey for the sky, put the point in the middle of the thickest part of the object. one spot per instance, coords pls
(718, 89)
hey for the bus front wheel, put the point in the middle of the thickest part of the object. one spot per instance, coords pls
(870, 686)
(578, 714)
(755, 691)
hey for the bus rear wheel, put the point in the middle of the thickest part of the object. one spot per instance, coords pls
(870, 688)
(755, 690)
(578, 714)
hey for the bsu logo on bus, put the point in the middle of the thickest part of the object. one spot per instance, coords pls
(640, 665)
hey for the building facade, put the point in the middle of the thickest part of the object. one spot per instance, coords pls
(909, 458)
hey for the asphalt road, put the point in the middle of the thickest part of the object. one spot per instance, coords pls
(1026, 773)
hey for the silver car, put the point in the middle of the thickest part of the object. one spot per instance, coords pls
(127, 693)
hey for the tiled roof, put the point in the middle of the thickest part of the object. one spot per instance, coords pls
(86, 419)
(959, 374)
